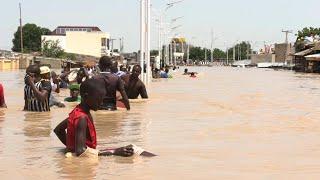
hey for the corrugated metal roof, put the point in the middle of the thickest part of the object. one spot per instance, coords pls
(303, 53)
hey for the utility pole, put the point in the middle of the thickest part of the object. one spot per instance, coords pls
(112, 45)
(21, 36)
(205, 54)
(211, 58)
(148, 35)
(121, 45)
(188, 53)
(234, 53)
(142, 36)
(248, 50)
(227, 56)
(287, 32)
(174, 52)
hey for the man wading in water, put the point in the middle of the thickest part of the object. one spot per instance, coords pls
(133, 85)
(80, 137)
(113, 84)
(37, 89)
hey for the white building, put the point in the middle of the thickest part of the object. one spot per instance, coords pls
(86, 40)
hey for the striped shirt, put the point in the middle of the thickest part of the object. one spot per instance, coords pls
(32, 103)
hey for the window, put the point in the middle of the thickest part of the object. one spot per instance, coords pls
(58, 31)
(103, 42)
(63, 31)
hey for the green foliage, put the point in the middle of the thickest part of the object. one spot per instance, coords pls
(154, 53)
(31, 38)
(70, 56)
(305, 32)
(198, 53)
(52, 49)
(244, 48)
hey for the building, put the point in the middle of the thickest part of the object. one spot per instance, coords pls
(8, 60)
(283, 53)
(84, 40)
(308, 60)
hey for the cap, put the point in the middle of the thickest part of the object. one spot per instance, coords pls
(44, 70)
(74, 86)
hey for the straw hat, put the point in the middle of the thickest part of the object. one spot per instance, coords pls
(44, 70)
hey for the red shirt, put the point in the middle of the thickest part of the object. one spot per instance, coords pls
(1, 95)
(73, 120)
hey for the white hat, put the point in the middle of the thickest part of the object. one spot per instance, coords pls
(44, 70)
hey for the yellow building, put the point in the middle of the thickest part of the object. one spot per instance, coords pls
(85, 40)
(9, 64)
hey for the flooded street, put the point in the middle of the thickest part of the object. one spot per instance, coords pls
(228, 123)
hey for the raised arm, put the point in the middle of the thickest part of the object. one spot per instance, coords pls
(40, 95)
(60, 131)
(123, 94)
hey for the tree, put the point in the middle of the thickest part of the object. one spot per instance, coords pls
(245, 50)
(198, 53)
(154, 53)
(52, 49)
(305, 32)
(219, 54)
(31, 38)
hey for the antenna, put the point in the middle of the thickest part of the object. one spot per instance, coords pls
(21, 37)
(287, 32)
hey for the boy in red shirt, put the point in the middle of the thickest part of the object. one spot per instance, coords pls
(81, 137)
(2, 102)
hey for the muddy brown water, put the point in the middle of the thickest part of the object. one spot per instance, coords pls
(228, 123)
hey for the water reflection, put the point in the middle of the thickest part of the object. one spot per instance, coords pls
(76, 168)
(37, 125)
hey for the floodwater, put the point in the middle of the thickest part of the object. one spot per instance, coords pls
(228, 123)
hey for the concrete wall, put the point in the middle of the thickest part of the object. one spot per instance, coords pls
(259, 58)
(87, 43)
(53, 62)
(281, 51)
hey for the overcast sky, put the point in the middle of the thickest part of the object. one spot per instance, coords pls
(249, 20)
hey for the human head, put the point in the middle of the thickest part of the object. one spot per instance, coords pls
(167, 70)
(136, 71)
(192, 74)
(186, 70)
(66, 68)
(45, 72)
(74, 90)
(105, 63)
(33, 71)
(92, 92)
(114, 67)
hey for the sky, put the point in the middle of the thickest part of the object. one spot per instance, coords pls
(257, 21)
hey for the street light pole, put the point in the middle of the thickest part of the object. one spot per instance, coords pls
(148, 20)
(142, 36)
(21, 36)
